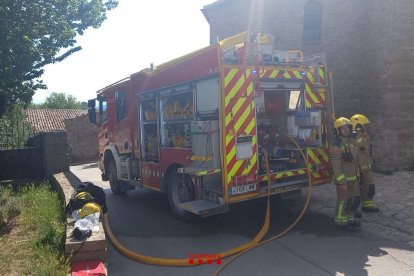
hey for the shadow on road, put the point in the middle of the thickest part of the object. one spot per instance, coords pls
(315, 241)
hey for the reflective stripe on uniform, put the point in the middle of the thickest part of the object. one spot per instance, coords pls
(367, 203)
(359, 140)
(351, 218)
(340, 177)
(339, 216)
(351, 178)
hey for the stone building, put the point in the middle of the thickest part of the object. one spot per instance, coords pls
(369, 47)
(82, 137)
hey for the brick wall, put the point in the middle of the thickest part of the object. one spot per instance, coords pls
(369, 49)
(82, 139)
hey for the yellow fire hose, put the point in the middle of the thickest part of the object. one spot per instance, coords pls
(305, 207)
(235, 252)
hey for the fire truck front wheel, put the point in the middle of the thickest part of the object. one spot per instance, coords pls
(180, 190)
(114, 182)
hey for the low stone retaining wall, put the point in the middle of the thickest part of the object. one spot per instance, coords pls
(94, 247)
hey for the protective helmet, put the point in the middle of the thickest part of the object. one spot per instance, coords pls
(83, 196)
(359, 119)
(89, 208)
(342, 121)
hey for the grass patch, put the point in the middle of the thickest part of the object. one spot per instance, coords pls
(33, 241)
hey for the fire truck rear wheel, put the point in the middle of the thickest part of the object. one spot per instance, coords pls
(113, 178)
(180, 190)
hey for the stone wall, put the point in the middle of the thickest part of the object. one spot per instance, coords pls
(396, 84)
(82, 139)
(21, 163)
(54, 148)
(369, 49)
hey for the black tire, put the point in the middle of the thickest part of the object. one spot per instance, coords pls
(113, 178)
(180, 190)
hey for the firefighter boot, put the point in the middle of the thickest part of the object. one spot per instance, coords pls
(357, 208)
(369, 206)
(351, 205)
(341, 219)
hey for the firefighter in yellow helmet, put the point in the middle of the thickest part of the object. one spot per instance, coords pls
(345, 168)
(362, 141)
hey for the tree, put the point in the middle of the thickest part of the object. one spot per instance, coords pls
(34, 33)
(60, 101)
(14, 129)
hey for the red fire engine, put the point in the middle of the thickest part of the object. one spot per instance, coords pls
(195, 127)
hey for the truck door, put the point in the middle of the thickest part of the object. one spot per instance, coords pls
(149, 141)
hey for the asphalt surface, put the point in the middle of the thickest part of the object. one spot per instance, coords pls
(142, 221)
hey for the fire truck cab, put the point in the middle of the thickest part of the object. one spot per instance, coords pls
(195, 127)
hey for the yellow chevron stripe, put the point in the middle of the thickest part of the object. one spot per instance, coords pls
(311, 94)
(228, 139)
(309, 74)
(274, 74)
(286, 75)
(324, 155)
(235, 168)
(252, 161)
(321, 73)
(242, 119)
(228, 119)
(230, 154)
(234, 90)
(249, 128)
(297, 74)
(313, 156)
(230, 76)
(316, 160)
(279, 175)
(313, 97)
(238, 104)
(301, 172)
(289, 173)
(233, 153)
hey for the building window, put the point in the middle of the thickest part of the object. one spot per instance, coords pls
(120, 105)
(312, 22)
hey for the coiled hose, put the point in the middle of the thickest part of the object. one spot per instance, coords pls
(235, 252)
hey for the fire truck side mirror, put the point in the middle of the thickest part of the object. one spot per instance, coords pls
(92, 111)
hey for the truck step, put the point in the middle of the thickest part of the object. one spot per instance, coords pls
(204, 207)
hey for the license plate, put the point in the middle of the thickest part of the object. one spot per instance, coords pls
(243, 189)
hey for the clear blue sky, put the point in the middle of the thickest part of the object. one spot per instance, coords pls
(134, 35)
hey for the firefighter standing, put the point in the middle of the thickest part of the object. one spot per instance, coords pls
(361, 140)
(345, 168)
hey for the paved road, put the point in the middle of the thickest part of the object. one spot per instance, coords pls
(141, 220)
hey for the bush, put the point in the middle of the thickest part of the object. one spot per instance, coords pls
(10, 205)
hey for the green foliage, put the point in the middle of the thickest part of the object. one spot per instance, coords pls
(45, 216)
(34, 33)
(14, 129)
(60, 101)
(10, 205)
